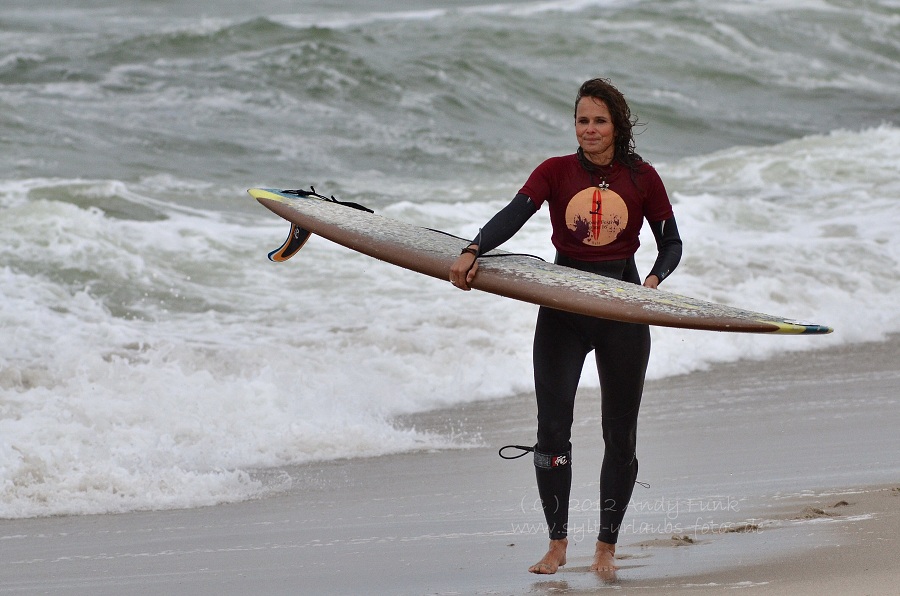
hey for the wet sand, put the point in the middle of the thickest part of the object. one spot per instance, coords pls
(777, 477)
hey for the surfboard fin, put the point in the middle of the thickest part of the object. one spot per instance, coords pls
(295, 241)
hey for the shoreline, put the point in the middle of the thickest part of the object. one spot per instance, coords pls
(747, 464)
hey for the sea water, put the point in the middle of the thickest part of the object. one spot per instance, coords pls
(152, 357)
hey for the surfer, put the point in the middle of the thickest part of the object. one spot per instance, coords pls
(598, 198)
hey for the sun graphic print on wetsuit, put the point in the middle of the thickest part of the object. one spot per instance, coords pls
(596, 216)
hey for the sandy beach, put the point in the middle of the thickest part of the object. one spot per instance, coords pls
(777, 477)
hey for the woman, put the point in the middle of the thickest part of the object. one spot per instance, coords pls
(598, 199)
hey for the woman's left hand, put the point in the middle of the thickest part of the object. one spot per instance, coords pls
(651, 282)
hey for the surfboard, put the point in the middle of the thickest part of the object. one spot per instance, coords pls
(432, 252)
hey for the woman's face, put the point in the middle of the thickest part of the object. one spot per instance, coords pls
(595, 131)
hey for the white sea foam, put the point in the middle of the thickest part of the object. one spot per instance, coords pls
(342, 20)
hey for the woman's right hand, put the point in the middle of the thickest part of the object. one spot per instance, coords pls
(463, 270)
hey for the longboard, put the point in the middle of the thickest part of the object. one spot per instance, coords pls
(432, 252)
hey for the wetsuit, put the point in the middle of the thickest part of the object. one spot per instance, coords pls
(596, 217)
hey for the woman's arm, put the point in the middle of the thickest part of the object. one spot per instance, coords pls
(668, 243)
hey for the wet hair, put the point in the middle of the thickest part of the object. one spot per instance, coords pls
(623, 121)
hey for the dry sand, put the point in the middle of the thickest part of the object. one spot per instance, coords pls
(779, 477)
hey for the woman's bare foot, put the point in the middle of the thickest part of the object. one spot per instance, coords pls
(553, 560)
(604, 559)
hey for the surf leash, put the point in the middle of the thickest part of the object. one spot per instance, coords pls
(524, 449)
(312, 193)
(481, 255)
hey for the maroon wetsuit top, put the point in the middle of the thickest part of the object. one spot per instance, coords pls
(590, 221)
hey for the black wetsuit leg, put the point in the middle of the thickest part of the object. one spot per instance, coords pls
(622, 350)
(559, 353)
(621, 384)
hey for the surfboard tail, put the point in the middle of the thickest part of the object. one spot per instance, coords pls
(297, 237)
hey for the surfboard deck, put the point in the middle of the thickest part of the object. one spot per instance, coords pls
(432, 253)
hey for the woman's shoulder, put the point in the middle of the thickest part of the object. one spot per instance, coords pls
(643, 169)
(549, 175)
(559, 162)
(641, 165)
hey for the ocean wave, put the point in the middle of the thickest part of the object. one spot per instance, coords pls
(182, 360)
